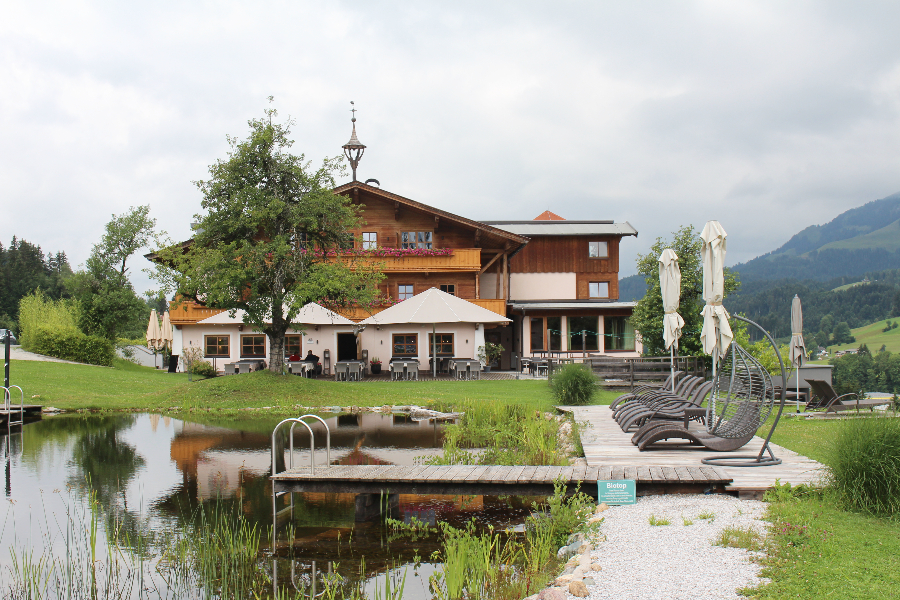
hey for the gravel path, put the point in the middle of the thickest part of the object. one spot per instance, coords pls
(642, 562)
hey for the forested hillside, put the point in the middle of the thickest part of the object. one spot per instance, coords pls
(23, 269)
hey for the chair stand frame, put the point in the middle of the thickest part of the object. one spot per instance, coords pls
(760, 460)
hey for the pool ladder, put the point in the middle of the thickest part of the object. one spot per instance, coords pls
(7, 405)
(294, 421)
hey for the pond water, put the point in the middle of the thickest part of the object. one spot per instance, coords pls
(149, 474)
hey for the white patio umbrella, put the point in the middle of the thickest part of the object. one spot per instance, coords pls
(154, 340)
(165, 330)
(434, 306)
(797, 351)
(716, 335)
(670, 287)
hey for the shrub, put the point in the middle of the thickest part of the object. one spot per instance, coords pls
(192, 360)
(573, 384)
(865, 465)
(37, 311)
(71, 344)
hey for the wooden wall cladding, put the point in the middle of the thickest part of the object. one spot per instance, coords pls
(382, 217)
(583, 279)
(464, 282)
(565, 254)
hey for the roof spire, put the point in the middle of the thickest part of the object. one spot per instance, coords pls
(353, 149)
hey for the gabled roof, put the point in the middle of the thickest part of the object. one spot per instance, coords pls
(487, 229)
(310, 314)
(548, 216)
(434, 306)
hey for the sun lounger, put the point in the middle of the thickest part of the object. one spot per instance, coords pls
(644, 389)
(652, 400)
(747, 414)
(831, 402)
(670, 410)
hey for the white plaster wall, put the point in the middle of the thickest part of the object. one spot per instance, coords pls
(378, 341)
(539, 286)
(488, 286)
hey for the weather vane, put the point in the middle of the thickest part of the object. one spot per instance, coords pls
(353, 110)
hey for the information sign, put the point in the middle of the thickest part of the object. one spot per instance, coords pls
(616, 491)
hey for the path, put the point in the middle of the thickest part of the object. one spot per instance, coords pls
(16, 353)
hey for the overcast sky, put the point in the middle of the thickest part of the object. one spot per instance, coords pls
(768, 116)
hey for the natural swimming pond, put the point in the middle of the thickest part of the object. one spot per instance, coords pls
(141, 506)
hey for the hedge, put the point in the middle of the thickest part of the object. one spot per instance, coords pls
(73, 345)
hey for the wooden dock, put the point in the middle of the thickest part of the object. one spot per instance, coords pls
(606, 444)
(496, 480)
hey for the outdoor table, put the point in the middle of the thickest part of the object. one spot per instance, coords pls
(253, 364)
(409, 368)
(300, 367)
(465, 368)
(347, 370)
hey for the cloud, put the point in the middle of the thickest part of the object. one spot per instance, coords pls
(768, 116)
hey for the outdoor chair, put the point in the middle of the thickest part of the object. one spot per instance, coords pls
(653, 395)
(741, 402)
(243, 368)
(396, 370)
(651, 400)
(354, 372)
(670, 408)
(644, 389)
(341, 372)
(831, 402)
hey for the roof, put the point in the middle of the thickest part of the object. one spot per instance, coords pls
(434, 306)
(548, 216)
(310, 314)
(487, 228)
(533, 228)
(569, 304)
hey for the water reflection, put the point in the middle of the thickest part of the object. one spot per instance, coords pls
(150, 474)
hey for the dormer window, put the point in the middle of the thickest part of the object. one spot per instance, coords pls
(598, 250)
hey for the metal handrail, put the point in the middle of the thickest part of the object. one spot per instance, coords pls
(312, 447)
(327, 436)
(7, 403)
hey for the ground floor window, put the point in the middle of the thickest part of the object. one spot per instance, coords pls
(554, 333)
(253, 346)
(406, 344)
(444, 343)
(537, 333)
(293, 344)
(583, 333)
(619, 333)
(216, 346)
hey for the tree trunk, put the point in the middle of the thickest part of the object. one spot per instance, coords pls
(276, 352)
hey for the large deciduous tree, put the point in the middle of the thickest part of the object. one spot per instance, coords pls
(648, 314)
(269, 240)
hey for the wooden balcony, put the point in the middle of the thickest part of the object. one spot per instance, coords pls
(497, 306)
(188, 313)
(462, 259)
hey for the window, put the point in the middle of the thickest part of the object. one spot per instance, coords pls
(537, 333)
(444, 344)
(619, 333)
(216, 346)
(554, 333)
(253, 346)
(416, 239)
(347, 241)
(450, 288)
(369, 240)
(598, 289)
(583, 333)
(293, 344)
(300, 239)
(597, 250)
(406, 344)
(404, 291)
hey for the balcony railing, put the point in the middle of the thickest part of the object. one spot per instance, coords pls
(462, 259)
(187, 313)
(358, 313)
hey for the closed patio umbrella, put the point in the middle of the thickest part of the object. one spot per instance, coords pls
(166, 331)
(716, 335)
(797, 351)
(670, 287)
(154, 341)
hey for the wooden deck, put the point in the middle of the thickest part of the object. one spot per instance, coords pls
(606, 444)
(495, 480)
